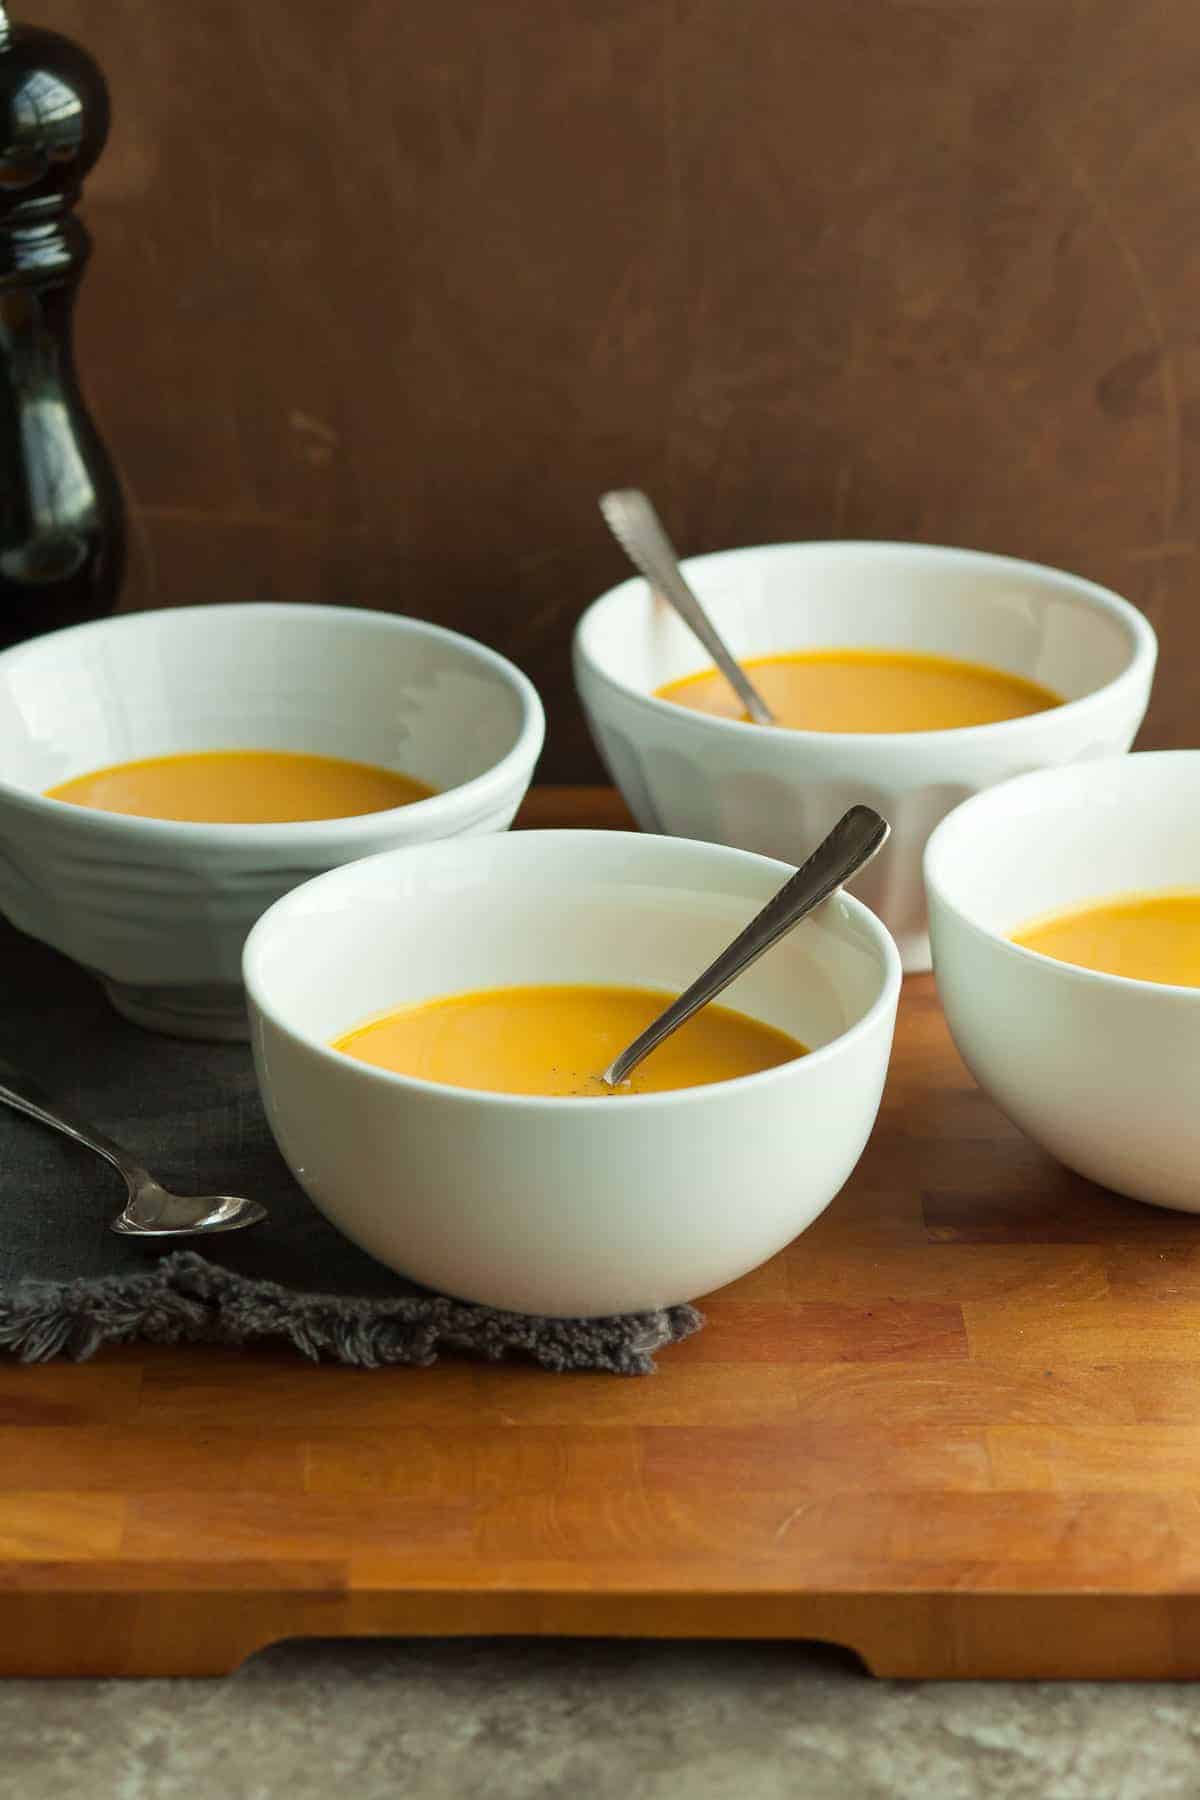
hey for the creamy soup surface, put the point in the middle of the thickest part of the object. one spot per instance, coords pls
(1148, 937)
(242, 787)
(558, 1040)
(868, 691)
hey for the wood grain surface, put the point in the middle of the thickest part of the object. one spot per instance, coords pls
(955, 1427)
(384, 296)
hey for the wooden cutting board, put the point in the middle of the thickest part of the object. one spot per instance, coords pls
(954, 1427)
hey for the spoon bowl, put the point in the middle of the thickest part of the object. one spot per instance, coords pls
(151, 1210)
(154, 1211)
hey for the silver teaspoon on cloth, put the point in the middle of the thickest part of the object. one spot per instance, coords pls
(151, 1209)
(638, 529)
(858, 835)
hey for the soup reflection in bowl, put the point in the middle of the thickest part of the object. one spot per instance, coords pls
(778, 791)
(578, 1205)
(159, 908)
(1100, 861)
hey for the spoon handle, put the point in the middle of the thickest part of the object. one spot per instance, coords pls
(637, 528)
(851, 844)
(29, 1098)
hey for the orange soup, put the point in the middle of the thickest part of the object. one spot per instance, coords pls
(1149, 937)
(558, 1040)
(868, 691)
(242, 787)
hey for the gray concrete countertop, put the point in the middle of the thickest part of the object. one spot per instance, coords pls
(543, 1719)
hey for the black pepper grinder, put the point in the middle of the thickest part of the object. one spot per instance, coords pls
(61, 517)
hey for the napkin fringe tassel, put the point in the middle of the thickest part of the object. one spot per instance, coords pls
(186, 1300)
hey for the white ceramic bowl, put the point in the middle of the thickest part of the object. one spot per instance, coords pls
(778, 792)
(160, 910)
(561, 1206)
(1101, 1071)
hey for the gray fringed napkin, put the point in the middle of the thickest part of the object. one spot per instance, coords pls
(69, 1286)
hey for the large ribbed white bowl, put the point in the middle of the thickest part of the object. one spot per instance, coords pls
(159, 910)
(778, 792)
(565, 1206)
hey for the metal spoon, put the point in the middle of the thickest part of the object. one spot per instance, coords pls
(151, 1209)
(854, 840)
(637, 528)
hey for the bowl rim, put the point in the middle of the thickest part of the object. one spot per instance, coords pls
(437, 809)
(560, 1105)
(1143, 643)
(1063, 774)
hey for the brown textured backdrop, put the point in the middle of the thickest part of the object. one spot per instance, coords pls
(384, 295)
